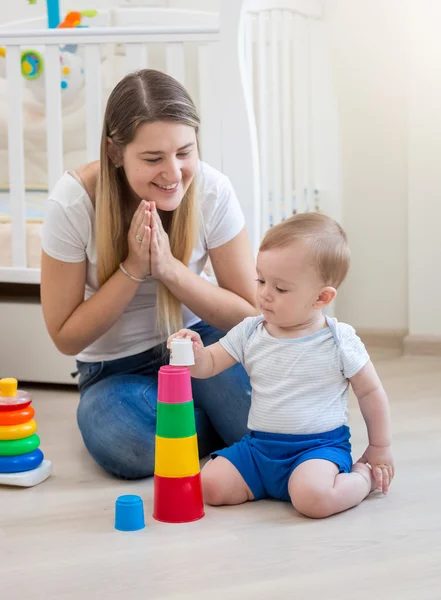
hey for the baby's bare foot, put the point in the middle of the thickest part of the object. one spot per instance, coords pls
(366, 473)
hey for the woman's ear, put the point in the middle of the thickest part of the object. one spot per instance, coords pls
(114, 153)
(325, 297)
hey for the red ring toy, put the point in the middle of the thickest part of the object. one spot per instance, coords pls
(14, 405)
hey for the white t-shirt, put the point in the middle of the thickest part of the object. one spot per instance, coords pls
(68, 235)
(299, 385)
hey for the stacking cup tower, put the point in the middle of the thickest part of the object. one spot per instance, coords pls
(177, 478)
(21, 460)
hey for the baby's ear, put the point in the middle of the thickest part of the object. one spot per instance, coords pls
(325, 297)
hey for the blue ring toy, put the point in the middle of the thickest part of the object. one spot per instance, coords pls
(23, 462)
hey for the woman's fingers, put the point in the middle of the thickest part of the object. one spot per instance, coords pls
(145, 244)
(143, 221)
(138, 216)
(140, 231)
(137, 225)
(157, 218)
(154, 235)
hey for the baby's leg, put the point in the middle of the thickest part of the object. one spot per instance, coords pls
(223, 484)
(318, 490)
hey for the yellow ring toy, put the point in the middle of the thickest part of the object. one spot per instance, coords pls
(17, 432)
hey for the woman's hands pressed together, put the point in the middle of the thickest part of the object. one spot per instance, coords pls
(138, 261)
(149, 245)
(161, 257)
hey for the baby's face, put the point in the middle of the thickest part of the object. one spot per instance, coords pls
(288, 285)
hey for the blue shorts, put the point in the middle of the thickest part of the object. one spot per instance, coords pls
(266, 460)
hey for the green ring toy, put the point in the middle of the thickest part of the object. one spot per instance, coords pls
(17, 447)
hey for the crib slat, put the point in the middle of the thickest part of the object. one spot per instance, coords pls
(275, 125)
(300, 81)
(93, 101)
(209, 106)
(16, 156)
(286, 113)
(248, 41)
(175, 61)
(309, 170)
(136, 57)
(262, 115)
(54, 122)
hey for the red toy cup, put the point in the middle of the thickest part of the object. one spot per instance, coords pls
(178, 499)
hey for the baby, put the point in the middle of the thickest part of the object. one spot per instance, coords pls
(300, 364)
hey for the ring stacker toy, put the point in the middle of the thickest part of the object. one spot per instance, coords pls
(22, 463)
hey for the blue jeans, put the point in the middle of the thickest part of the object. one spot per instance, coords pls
(117, 410)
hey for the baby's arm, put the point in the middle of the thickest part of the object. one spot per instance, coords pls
(374, 407)
(209, 361)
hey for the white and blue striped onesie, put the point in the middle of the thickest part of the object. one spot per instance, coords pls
(299, 385)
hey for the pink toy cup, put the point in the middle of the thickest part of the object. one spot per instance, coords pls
(174, 385)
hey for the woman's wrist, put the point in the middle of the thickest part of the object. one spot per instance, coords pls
(132, 272)
(170, 274)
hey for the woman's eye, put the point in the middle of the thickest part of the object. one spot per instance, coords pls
(152, 161)
(183, 154)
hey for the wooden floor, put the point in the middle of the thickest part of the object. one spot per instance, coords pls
(57, 540)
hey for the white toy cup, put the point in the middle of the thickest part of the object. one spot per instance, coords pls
(181, 352)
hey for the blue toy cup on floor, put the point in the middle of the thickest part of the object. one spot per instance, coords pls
(129, 513)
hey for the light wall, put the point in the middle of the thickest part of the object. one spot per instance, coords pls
(424, 174)
(368, 50)
(387, 65)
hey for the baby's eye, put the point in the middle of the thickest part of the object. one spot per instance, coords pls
(260, 281)
(281, 291)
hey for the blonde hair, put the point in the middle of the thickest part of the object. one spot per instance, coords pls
(142, 97)
(327, 239)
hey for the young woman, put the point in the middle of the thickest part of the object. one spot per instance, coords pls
(125, 241)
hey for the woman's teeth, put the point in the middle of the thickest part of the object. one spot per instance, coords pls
(168, 187)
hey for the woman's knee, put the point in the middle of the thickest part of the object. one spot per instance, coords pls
(117, 420)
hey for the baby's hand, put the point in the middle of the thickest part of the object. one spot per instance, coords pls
(382, 462)
(198, 345)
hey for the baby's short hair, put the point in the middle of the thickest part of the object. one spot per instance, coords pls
(327, 239)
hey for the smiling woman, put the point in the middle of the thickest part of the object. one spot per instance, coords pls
(165, 174)
(125, 241)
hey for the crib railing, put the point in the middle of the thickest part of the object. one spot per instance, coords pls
(288, 69)
(227, 139)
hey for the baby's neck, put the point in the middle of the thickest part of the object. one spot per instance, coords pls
(299, 330)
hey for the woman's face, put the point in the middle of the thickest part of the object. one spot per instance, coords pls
(161, 162)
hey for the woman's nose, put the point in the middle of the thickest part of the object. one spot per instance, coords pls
(172, 171)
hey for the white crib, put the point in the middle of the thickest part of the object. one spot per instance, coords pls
(259, 75)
